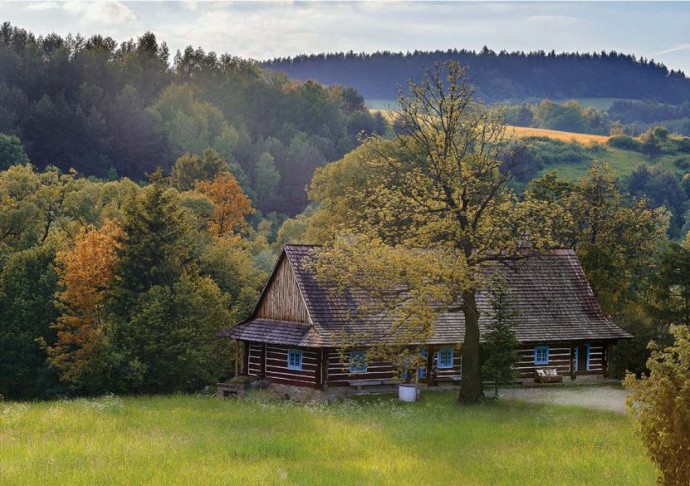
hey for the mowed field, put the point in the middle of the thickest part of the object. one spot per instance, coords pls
(202, 440)
(583, 138)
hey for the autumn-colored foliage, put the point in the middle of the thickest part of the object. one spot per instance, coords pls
(86, 272)
(232, 205)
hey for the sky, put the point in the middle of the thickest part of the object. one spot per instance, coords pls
(264, 30)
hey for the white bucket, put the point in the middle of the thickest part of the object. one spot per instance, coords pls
(407, 393)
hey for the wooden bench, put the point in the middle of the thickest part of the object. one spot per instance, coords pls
(547, 375)
(358, 384)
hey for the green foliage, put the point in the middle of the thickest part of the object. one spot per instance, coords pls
(670, 287)
(661, 188)
(660, 407)
(538, 153)
(28, 283)
(624, 142)
(11, 151)
(192, 124)
(169, 342)
(266, 179)
(105, 108)
(500, 343)
(154, 246)
(614, 238)
(570, 116)
(191, 168)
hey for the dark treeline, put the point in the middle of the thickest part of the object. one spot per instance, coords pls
(502, 75)
(109, 109)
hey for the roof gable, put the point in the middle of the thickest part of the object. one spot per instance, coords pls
(282, 298)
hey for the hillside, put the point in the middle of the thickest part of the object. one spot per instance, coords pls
(110, 109)
(594, 147)
(499, 76)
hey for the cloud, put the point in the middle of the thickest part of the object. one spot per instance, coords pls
(676, 48)
(100, 12)
(38, 6)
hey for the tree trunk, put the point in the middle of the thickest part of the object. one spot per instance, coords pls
(471, 384)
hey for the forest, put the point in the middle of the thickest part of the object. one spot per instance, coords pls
(499, 76)
(120, 110)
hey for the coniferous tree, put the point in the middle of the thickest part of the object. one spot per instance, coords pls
(165, 314)
(500, 342)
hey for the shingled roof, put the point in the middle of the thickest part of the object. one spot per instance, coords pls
(549, 292)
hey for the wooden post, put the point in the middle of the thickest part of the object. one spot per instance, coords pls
(605, 359)
(245, 358)
(237, 358)
(322, 370)
(263, 362)
(430, 371)
(572, 361)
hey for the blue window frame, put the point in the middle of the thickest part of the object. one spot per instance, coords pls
(588, 347)
(421, 372)
(294, 360)
(541, 355)
(445, 358)
(358, 361)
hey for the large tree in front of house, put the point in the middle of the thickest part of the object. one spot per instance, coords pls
(439, 188)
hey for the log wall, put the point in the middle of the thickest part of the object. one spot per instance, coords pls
(282, 300)
(339, 373)
(272, 364)
(327, 367)
(561, 357)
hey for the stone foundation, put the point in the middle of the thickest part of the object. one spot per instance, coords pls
(306, 394)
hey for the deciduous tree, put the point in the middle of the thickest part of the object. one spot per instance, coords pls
(660, 407)
(441, 187)
(86, 275)
(11, 151)
(28, 283)
(232, 206)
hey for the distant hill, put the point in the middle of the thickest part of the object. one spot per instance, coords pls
(500, 76)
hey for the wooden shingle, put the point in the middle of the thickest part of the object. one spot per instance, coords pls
(549, 291)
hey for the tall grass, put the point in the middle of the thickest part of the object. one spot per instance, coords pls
(195, 440)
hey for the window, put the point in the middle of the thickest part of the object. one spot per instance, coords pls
(294, 359)
(541, 355)
(358, 361)
(421, 372)
(445, 358)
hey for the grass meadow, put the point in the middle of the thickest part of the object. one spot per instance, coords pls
(202, 440)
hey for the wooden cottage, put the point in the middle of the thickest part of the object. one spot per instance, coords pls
(293, 338)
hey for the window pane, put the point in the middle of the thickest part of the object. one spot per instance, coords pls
(358, 361)
(294, 359)
(445, 358)
(541, 355)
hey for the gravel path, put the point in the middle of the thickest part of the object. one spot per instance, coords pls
(597, 396)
